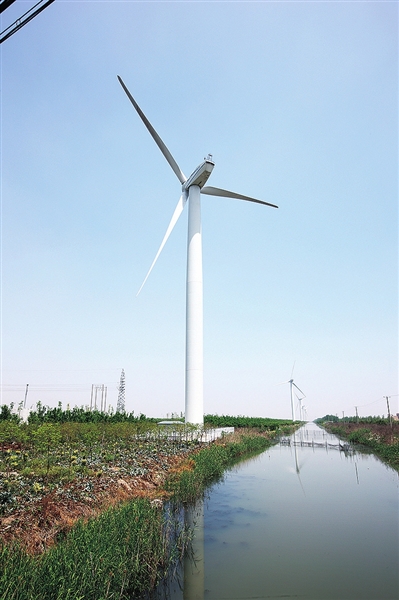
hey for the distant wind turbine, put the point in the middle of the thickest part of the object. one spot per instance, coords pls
(301, 408)
(292, 385)
(192, 188)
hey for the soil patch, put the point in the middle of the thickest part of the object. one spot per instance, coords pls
(38, 523)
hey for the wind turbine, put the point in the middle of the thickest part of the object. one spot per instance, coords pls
(292, 385)
(301, 408)
(192, 188)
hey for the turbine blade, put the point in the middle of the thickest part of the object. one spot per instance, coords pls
(212, 191)
(179, 174)
(178, 211)
(283, 382)
(293, 367)
(299, 389)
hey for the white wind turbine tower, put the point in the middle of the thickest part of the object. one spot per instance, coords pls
(192, 188)
(292, 385)
(301, 407)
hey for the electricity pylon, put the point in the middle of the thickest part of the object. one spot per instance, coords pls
(120, 405)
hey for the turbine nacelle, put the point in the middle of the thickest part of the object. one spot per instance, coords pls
(200, 176)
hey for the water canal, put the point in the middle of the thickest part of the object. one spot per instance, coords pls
(309, 522)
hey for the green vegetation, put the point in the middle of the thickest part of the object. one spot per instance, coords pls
(362, 420)
(38, 459)
(120, 554)
(45, 414)
(248, 422)
(378, 434)
(6, 414)
(327, 418)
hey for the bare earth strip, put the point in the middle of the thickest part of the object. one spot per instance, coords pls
(39, 522)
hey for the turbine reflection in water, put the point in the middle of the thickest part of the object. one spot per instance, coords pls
(193, 585)
(328, 444)
(186, 578)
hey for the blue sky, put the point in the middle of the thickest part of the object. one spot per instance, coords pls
(297, 102)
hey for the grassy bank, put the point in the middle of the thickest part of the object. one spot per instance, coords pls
(121, 553)
(382, 437)
(127, 548)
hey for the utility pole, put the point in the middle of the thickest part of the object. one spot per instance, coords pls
(95, 390)
(26, 394)
(357, 416)
(389, 412)
(103, 398)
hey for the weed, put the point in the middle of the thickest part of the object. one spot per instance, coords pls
(382, 438)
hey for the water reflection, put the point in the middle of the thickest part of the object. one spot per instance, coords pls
(320, 440)
(306, 520)
(193, 568)
(186, 581)
(297, 469)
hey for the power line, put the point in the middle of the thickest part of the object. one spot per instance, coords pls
(9, 388)
(373, 402)
(5, 4)
(60, 385)
(60, 370)
(26, 17)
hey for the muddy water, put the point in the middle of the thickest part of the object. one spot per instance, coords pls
(297, 522)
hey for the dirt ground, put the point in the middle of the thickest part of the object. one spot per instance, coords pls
(38, 524)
